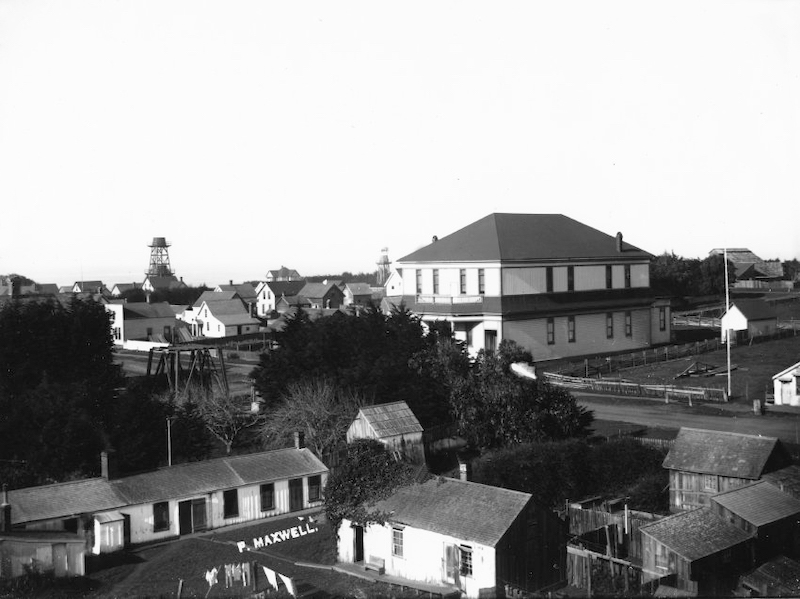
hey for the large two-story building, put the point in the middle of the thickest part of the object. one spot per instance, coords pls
(550, 283)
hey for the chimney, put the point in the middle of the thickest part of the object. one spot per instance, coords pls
(5, 511)
(299, 440)
(230, 282)
(619, 243)
(107, 466)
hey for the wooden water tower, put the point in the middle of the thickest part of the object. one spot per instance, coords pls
(159, 258)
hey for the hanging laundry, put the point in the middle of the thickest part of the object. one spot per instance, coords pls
(237, 572)
(289, 584)
(271, 578)
(211, 576)
(228, 575)
(247, 575)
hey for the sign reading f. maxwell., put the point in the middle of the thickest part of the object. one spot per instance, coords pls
(271, 538)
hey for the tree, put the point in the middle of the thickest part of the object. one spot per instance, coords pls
(711, 280)
(319, 409)
(223, 415)
(368, 474)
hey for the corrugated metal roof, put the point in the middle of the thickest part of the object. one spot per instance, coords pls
(759, 504)
(390, 419)
(183, 480)
(524, 237)
(722, 453)
(695, 534)
(464, 510)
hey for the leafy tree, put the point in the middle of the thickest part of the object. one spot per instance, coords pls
(316, 407)
(368, 474)
(712, 275)
(791, 269)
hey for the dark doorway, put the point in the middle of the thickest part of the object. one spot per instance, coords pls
(185, 517)
(358, 543)
(191, 516)
(126, 530)
(295, 494)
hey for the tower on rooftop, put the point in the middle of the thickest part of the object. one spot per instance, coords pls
(159, 258)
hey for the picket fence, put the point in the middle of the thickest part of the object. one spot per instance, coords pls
(620, 387)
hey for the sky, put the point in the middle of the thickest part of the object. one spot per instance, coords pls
(255, 134)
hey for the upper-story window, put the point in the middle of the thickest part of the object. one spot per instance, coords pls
(435, 280)
(551, 331)
(481, 281)
(628, 324)
(549, 277)
(419, 280)
(571, 329)
(610, 325)
(662, 319)
(462, 280)
(570, 278)
(609, 277)
(627, 276)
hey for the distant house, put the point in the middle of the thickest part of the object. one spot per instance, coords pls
(787, 479)
(162, 283)
(283, 274)
(141, 321)
(90, 287)
(778, 577)
(224, 318)
(323, 295)
(269, 292)
(460, 535)
(697, 553)
(703, 463)
(394, 425)
(290, 304)
(749, 318)
(120, 288)
(357, 294)
(113, 513)
(394, 285)
(749, 267)
(245, 291)
(786, 386)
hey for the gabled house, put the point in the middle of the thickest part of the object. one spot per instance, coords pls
(141, 321)
(283, 274)
(224, 318)
(323, 295)
(748, 318)
(245, 291)
(90, 287)
(162, 283)
(748, 266)
(292, 303)
(787, 479)
(394, 425)
(356, 294)
(394, 285)
(269, 292)
(120, 288)
(703, 463)
(557, 287)
(786, 386)
(462, 535)
(112, 513)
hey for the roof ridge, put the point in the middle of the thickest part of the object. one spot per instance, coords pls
(728, 433)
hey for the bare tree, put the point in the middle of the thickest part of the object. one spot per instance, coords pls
(224, 415)
(316, 408)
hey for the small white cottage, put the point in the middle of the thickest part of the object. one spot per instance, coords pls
(394, 425)
(787, 386)
(748, 318)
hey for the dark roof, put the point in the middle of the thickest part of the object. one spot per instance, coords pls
(89, 285)
(696, 534)
(318, 290)
(246, 291)
(759, 504)
(99, 494)
(390, 419)
(287, 288)
(722, 453)
(284, 273)
(779, 577)
(464, 510)
(755, 309)
(215, 296)
(230, 312)
(524, 237)
(786, 479)
(359, 288)
(146, 310)
(165, 282)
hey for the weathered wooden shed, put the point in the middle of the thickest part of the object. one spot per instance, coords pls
(394, 425)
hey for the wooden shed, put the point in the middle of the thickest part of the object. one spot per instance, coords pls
(749, 318)
(394, 425)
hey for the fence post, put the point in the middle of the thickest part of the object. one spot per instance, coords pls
(644, 357)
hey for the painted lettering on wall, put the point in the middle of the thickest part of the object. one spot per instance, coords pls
(271, 538)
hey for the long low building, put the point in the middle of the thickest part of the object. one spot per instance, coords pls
(112, 513)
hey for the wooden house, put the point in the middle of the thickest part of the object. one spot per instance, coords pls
(394, 425)
(357, 294)
(786, 386)
(141, 321)
(112, 513)
(778, 577)
(787, 479)
(225, 318)
(748, 318)
(283, 274)
(269, 293)
(555, 286)
(476, 538)
(703, 463)
(325, 295)
(695, 553)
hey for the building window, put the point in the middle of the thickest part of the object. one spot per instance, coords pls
(435, 281)
(571, 329)
(549, 276)
(570, 278)
(662, 319)
(117, 334)
(627, 276)
(609, 277)
(462, 278)
(230, 500)
(315, 488)
(709, 482)
(419, 280)
(610, 325)
(397, 541)
(149, 331)
(481, 281)
(465, 552)
(628, 325)
(662, 557)
(267, 492)
(551, 331)
(160, 516)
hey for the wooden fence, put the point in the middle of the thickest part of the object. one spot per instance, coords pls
(620, 387)
(582, 521)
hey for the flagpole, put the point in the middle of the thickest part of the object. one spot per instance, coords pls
(727, 308)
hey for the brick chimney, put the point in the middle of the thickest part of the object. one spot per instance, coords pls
(108, 469)
(5, 511)
(299, 440)
(619, 243)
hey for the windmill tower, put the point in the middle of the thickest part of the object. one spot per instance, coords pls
(384, 267)
(159, 259)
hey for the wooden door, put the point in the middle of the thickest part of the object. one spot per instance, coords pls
(295, 494)
(185, 517)
(199, 515)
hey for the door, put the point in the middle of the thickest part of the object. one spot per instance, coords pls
(358, 543)
(126, 530)
(199, 515)
(60, 559)
(451, 565)
(295, 494)
(185, 517)
(490, 340)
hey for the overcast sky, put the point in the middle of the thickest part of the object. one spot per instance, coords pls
(256, 134)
